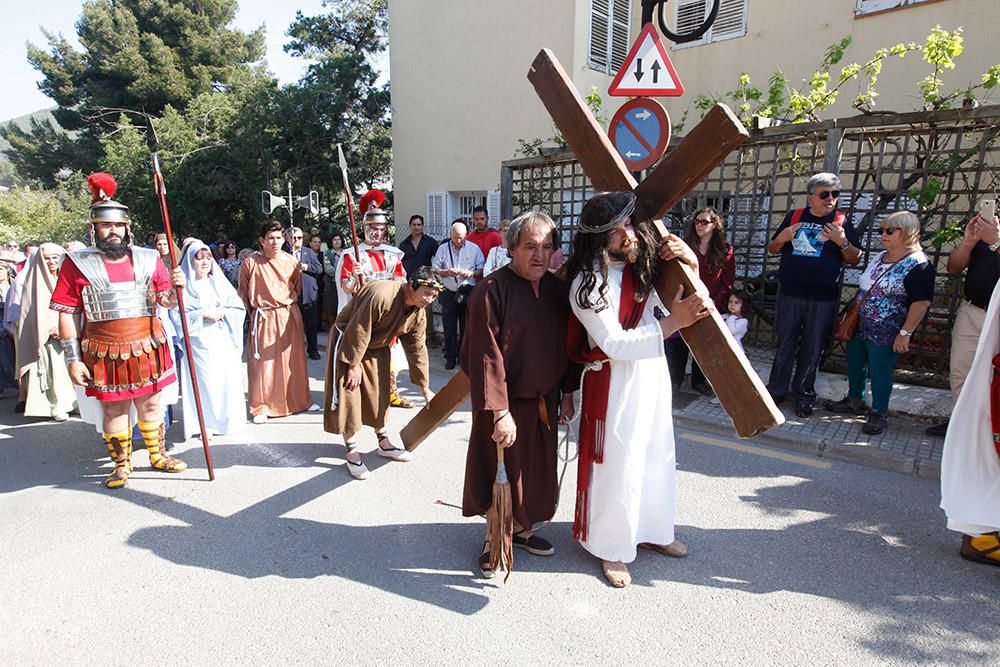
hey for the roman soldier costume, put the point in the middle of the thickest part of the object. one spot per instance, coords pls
(122, 342)
(379, 261)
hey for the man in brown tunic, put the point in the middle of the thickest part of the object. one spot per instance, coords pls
(522, 383)
(269, 284)
(357, 371)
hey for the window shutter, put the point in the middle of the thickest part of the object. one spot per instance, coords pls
(600, 23)
(493, 207)
(437, 215)
(869, 6)
(731, 20)
(620, 19)
(688, 15)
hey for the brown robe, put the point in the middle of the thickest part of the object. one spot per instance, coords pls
(278, 380)
(361, 337)
(514, 353)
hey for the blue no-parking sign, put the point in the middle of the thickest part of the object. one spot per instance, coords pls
(640, 132)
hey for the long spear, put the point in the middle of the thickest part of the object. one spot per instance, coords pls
(161, 190)
(350, 204)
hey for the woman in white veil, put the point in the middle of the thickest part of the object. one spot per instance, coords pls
(215, 315)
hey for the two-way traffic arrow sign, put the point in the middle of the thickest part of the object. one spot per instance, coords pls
(647, 70)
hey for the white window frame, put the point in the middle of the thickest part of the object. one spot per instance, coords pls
(714, 35)
(617, 18)
(866, 7)
(437, 222)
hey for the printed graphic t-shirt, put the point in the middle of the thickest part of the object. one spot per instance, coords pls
(811, 264)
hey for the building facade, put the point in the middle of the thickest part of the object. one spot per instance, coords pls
(461, 100)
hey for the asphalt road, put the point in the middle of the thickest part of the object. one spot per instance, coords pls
(285, 559)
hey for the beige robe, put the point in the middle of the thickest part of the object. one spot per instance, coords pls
(276, 353)
(361, 337)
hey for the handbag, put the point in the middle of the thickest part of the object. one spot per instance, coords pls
(847, 323)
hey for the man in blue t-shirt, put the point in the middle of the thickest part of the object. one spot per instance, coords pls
(814, 243)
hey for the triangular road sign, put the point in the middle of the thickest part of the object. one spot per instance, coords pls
(647, 69)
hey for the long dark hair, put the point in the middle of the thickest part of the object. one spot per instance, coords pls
(718, 247)
(589, 256)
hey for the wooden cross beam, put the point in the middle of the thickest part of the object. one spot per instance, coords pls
(741, 392)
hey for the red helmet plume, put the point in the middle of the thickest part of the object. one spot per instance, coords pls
(372, 198)
(102, 186)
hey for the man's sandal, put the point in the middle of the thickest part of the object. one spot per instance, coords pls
(484, 562)
(391, 452)
(358, 470)
(616, 573)
(675, 549)
(983, 548)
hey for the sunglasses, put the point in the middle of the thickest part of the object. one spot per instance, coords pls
(828, 193)
(296, 238)
(887, 231)
(703, 221)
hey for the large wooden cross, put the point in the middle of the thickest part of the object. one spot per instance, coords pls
(741, 392)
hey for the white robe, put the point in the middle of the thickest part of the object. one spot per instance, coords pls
(632, 492)
(217, 352)
(970, 467)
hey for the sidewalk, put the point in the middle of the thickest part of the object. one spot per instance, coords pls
(903, 447)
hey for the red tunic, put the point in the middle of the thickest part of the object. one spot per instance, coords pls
(68, 298)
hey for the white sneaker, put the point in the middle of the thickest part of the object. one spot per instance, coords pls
(60, 417)
(314, 408)
(260, 419)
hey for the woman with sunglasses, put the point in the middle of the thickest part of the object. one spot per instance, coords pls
(897, 288)
(717, 268)
(229, 262)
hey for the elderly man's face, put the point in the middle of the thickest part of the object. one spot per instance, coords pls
(295, 240)
(374, 233)
(458, 235)
(530, 258)
(823, 199)
(13, 245)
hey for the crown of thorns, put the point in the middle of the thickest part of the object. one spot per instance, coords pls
(626, 211)
(432, 282)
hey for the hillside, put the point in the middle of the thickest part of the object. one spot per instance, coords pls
(24, 122)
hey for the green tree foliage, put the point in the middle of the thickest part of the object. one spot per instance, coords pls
(137, 54)
(58, 214)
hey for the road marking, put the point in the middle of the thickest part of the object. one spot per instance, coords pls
(759, 451)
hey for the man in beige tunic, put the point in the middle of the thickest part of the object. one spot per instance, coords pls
(357, 371)
(269, 284)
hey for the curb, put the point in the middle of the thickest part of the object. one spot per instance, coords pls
(870, 457)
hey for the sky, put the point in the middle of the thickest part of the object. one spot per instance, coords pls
(23, 22)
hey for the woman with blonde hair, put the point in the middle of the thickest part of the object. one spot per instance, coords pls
(896, 290)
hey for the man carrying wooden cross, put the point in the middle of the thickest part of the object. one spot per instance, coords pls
(625, 481)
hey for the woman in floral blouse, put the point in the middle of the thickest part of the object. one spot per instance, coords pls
(899, 284)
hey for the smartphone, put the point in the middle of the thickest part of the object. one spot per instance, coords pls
(988, 209)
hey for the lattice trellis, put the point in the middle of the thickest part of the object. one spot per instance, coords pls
(937, 164)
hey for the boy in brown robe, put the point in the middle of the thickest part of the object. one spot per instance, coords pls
(522, 383)
(357, 372)
(269, 284)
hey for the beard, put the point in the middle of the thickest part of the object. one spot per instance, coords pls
(112, 250)
(628, 255)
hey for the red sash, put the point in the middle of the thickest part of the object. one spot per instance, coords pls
(596, 384)
(995, 403)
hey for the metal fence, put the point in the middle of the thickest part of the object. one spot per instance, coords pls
(937, 164)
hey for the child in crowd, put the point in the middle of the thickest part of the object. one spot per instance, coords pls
(737, 319)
